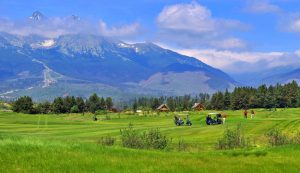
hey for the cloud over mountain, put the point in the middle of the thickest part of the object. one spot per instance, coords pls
(193, 25)
(245, 61)
(56, 26)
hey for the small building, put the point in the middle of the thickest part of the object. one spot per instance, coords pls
(114, 110)
(198, 107)
(163, 108)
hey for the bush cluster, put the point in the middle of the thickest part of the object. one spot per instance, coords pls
(233, 139)
(152, 139)
(107, 140)
(296, 139)
(277, 138)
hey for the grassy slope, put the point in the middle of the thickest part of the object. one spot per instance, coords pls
(67, 143)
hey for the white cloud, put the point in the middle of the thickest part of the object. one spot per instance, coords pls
(193, 25)
(297, 52)
(56, 26)
(121, 31)
(239, 62)
(187, 17)
(291, 23)
(230, 43)
(262, 6)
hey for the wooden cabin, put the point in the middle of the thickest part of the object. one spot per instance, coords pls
(198, 107)
(163, 108)
(114, 110)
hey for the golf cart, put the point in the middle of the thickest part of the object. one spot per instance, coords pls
(217, 119)
(178, 121)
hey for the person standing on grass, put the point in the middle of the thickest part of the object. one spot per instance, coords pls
(252, 114)
(224, 116)
(246, 113)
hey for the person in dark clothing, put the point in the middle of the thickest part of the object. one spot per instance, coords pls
(176, 118)
(246, 113)
(188, 121)
(208, 120)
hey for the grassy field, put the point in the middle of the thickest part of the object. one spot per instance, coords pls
(69, 143)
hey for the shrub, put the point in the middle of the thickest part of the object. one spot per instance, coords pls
(131, 138)
(74, 109)
(107, 117)
(107, 140)
(296, 139)
(233, 139)
(154, 139)
(5, 106)
(276, 137)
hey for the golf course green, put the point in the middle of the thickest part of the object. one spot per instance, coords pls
(70, 143)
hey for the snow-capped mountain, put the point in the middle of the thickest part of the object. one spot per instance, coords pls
(37, 16)
(81, 64)
(74, 17)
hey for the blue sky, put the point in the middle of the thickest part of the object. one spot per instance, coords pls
(234, 30)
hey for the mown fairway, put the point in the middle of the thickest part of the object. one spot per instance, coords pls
(68, 143)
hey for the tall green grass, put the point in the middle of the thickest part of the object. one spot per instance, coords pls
(27, 154)
(70, 143)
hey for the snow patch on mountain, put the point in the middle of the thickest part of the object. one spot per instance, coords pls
(50, 76)
(4, 95)
(137, 50)
(124, 45)
(48, 43)
(43, 44)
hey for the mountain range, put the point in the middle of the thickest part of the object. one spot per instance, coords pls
(81, 64)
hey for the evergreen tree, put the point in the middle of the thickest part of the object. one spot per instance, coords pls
(217, 101)
(171, 104)
(134, 106)
(69, 102)
(102, 105)
(58, 105)
(80, 104)
(23, 104)
(227, 99)
(155, 104)
(43, 108)
(109, 103)
(93, 103)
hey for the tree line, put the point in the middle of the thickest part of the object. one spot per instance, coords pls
(69, 104)
(278, 96)
(175, 103)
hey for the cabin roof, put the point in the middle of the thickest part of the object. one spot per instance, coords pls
(162, 106)
(196, 105)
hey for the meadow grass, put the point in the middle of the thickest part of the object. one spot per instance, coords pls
(69, 143)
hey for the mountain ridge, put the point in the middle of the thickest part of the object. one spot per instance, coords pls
(93, 60)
